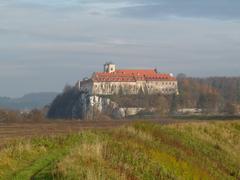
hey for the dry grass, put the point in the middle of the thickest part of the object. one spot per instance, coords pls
(86, 162)
(224, 135)
(202, 150)
(133, 131)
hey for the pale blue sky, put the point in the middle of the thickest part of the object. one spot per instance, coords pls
(47, 43)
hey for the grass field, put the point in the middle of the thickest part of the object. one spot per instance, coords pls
(140, 150)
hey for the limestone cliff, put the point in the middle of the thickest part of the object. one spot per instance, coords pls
(75, 104)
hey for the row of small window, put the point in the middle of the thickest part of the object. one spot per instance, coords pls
(110, 86)
(165, 83)
(168, 90)
(115, 86)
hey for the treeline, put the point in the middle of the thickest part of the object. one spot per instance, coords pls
(213, 95)
(34, 115)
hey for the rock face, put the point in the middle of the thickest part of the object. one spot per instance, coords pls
(92, 104)
(75, 104)
(102, 105)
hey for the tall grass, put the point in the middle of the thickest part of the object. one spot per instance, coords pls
(138, 151)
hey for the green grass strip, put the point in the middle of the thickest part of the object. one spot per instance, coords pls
(32, 170)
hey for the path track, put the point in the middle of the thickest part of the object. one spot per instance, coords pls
(11, 130)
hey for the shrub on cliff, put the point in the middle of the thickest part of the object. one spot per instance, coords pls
(64, 105)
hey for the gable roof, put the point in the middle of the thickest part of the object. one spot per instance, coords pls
(131, 76)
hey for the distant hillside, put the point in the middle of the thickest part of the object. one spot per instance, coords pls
(28, 101)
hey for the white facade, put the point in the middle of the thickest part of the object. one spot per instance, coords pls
(156, 86)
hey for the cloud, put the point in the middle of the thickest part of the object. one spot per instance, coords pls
(64, 40)
(216, 9)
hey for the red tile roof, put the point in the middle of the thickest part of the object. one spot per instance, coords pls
(131, 76)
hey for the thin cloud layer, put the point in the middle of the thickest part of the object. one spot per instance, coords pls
(61, 41)
(222, 9)
(216, 9)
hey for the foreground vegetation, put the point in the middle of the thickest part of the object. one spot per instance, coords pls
(203, 150)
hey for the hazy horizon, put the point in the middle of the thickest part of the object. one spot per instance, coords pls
(45, 45)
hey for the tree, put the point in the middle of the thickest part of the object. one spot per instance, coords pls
(181, 76)
(36, 115)
(162, 104)
(67, 88)
(174, 102)
(120, 92)
(230, 108)
(142, 98)
(208, 101)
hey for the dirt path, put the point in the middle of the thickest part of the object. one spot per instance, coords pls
(21, 129)
(28, 129)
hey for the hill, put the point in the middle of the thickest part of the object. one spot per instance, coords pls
(141, 150)
(28, 101)
(213, 96)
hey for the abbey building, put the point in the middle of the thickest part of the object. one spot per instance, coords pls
(128, 81)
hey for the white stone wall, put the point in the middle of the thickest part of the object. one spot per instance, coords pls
(105, 105)
(165, 87)
(152, 87)
(109, 88)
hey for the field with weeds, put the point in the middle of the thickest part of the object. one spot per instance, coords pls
(140, 150)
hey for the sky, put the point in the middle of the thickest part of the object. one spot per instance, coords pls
(47, 44)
